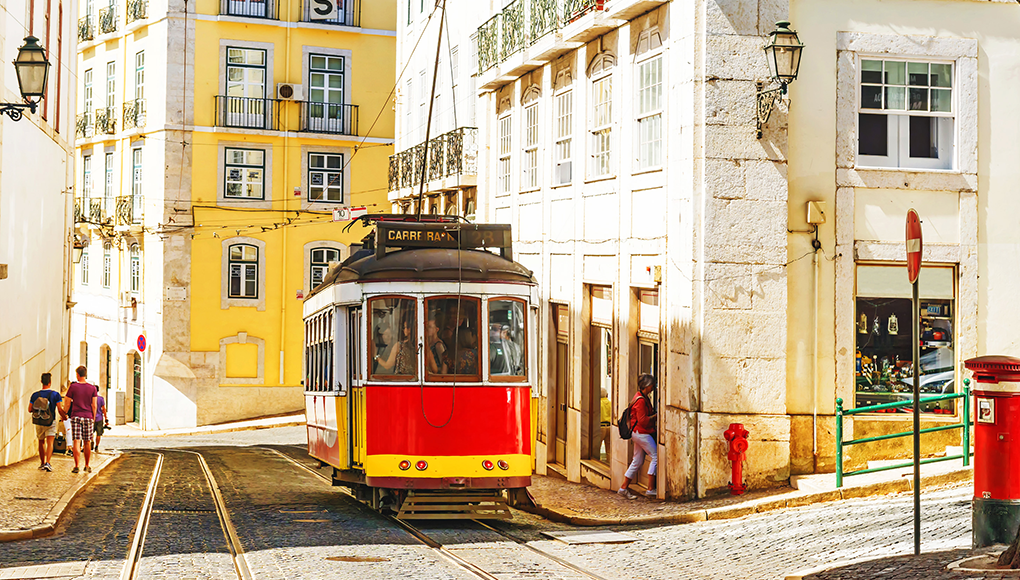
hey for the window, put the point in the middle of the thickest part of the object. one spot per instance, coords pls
(649, 113)
(245, 173)
(140, 74)
(326, 94)
(87, 79)
(86, 178)
(136, 184)
(321, 258)
(243, 268)
(393, 346)
(601, 129)
(319, 348)
(107, 263)
(246, 87)
(111, 84)
(906, 116)
(136, 269)
(506, 339)
(530, 163)
(326, 177)
(564, 135)
(451, 338)
(422, 101)
(504, 155)
(85, 266)
(408, 119)
(108, 187)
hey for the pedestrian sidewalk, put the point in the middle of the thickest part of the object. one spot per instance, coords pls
(32, 501)
(586, 505)
(954, 564)
(132, 430)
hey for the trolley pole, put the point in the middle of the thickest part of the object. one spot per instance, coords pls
(917, 422)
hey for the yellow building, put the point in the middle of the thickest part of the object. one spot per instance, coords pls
(213, 216)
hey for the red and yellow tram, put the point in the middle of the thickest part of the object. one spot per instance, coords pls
(417, 370)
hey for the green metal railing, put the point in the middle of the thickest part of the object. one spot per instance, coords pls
(965, 424)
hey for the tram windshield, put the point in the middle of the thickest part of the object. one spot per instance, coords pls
(452, 337)
(393, 343)
(506, 338)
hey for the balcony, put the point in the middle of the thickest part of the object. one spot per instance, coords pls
(134, 114)
(86, 29)
(247, 113)
(106, 121)
(574, 9)
(83, 126)
(452, 162)
(332, 118)
(249, 8)
(348, 14)
(95, 211)
(80, 209)
(136, 10)
(108, 19)
(128, 210)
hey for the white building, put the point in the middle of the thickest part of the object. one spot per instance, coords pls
(36, 176)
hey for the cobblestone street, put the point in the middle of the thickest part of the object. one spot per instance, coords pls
(292, 524)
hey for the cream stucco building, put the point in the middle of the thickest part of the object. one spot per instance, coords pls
(619, 139)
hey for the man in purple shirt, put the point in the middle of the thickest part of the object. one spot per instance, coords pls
(81, 406)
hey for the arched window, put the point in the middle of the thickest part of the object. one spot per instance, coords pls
(321, 257)
(243, 268)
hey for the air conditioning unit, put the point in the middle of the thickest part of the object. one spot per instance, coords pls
(290, 92)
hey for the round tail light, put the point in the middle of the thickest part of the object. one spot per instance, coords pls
(422, 465)
(487, 465)
(503, 464)
(405, 465)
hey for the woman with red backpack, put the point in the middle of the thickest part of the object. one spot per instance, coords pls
(642, 423)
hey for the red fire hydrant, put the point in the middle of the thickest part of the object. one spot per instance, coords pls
(737, 436)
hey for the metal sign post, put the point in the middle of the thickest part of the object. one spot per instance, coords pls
(913, 239)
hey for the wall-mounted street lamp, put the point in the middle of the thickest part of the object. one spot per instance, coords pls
(783, 54)
(77, 249)
(33, 71)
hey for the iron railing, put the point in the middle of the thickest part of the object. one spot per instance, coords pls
(574, 9)
(247, 112)
(453, 153)
(126, 210)
(250, 8)
(106, 121)
(348, 13)
(86, 29)
(522, 23)
(108, 19)
(333, 118)
(83, 125)
(542, 18)
(96, 211)
(512, 28)
(136, 10)
(965, 424)
(80, 209)
(134, 114)
(488, 43)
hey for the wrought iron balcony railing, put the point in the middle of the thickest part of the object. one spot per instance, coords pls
(96, 211)
(83, 125)
(542, 18)
(108, 19)
(109, 207)
(126, 208)
(522, 23)
(348, 13)
(134, 114)
(247, 113)
(250, 8)
(574, 9)
(106, 121)
(488, 43)
(333, 118)
(136, 10)
(512, 24)
(80, 209)
(453, 153)
(86, 28)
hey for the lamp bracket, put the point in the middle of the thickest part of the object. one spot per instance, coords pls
(13, 110)
(767, 100)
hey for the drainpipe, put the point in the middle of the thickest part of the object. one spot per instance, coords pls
(286, 202)
(815, 216)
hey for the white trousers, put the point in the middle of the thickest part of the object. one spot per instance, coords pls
(643, 443)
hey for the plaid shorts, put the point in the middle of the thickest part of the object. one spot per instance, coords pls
(81, 428)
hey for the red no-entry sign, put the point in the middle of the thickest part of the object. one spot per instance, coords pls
(913, 245)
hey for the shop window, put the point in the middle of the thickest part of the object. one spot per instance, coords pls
(451, 339)
(506, 340)
(884, 367)
(393, 343)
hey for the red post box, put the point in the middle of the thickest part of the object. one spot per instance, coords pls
(996, 449)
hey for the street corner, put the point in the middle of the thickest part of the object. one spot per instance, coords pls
(959, 564)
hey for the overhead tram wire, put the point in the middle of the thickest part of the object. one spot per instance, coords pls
(432, 105)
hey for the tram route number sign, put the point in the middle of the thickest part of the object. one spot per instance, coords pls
(446, 235)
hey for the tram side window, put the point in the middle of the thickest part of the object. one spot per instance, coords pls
(452, 337)
(393, 344)
(506, 339)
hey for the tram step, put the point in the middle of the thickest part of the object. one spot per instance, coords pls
(454, 506)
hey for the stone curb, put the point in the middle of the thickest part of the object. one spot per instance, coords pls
(756, 506)
(49, 523)
(224, 429)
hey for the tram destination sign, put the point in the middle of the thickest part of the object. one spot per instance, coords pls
(443, 235)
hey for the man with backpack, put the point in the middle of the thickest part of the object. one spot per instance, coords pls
(43, 407)
(639, 421)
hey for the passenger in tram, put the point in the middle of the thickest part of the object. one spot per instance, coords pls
(466, 362)
(386, 350)
(435, 351)
(396, 359)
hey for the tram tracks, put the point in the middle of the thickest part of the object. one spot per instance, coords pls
(131, 569)
(448, 553)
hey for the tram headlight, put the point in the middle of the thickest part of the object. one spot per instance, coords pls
(422, 465)
(503, 464)
(405, 465)
(487, 465)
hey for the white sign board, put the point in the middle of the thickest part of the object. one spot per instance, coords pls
(346, 214)
(323, 9)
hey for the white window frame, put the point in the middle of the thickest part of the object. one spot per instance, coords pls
(321, 267)
(107, 264)
(505, 125)
(86, 180)
(258, 301)
(601, 127)
(564, 133)
(649, 145)
(530, 180)
(87, 93)
(135, 261)
(140, 74)
(136, 184)
(325, 173)
(85, 266)
(108, 192)
(245, 167)
(111, 86)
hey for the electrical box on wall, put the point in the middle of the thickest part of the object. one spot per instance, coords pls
(816, 212)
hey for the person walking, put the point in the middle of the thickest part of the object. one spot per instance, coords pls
(43, 407)
(102, 421)
(642, 419)
(81, 405)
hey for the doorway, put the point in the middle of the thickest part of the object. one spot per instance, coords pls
(356, 394)
(136, 389)
(601, 390)
(560, 363)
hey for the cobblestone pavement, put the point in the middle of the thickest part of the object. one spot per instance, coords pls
(27, 494)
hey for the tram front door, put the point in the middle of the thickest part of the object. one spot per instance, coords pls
(356, 394)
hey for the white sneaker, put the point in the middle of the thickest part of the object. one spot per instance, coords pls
(623, 491)
(651, 493)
